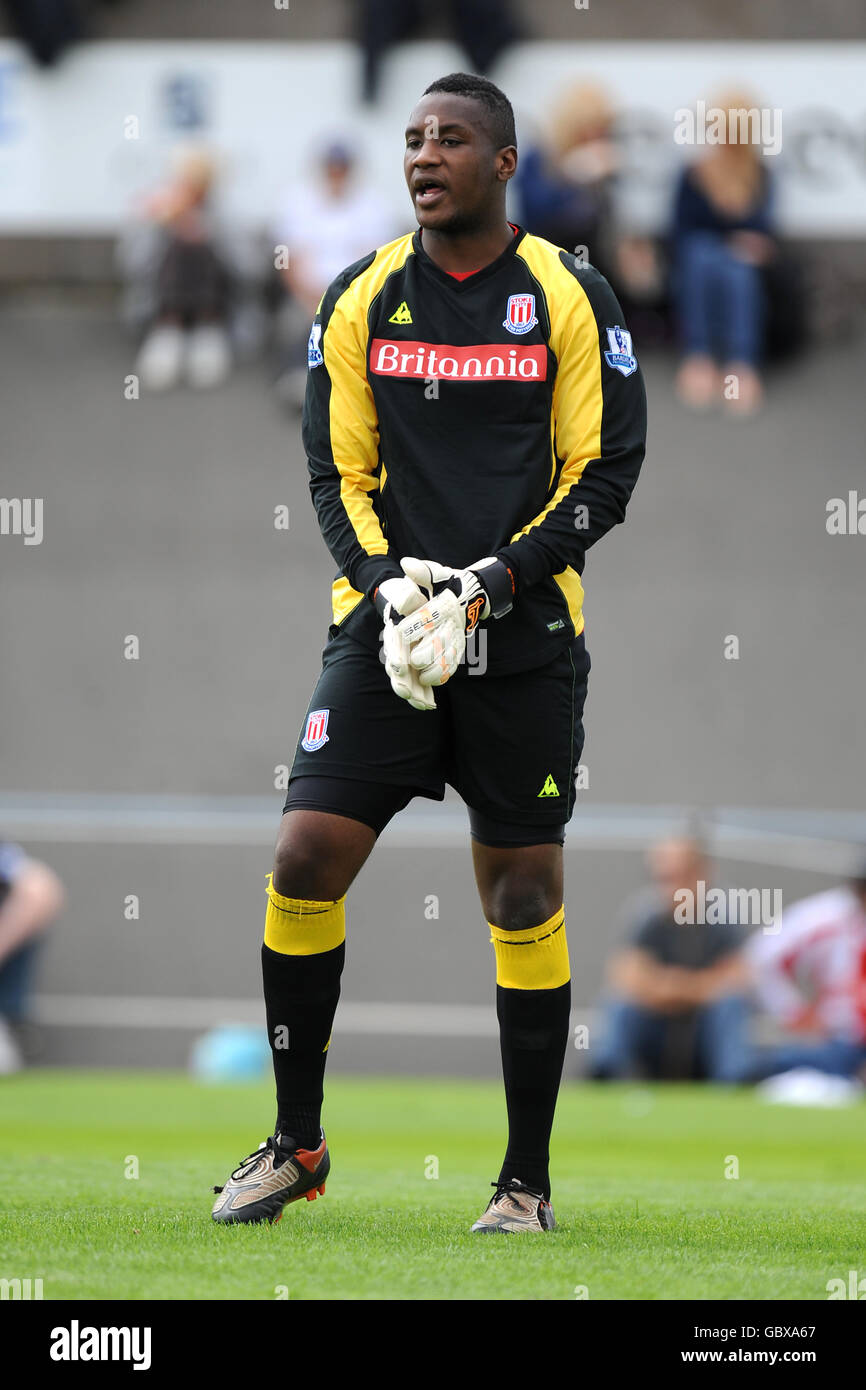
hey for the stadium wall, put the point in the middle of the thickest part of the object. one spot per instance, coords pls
(79, 143)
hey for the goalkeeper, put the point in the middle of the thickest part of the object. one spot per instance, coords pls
(474, 421)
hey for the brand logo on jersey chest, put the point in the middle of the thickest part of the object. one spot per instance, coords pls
(477, 362)
(520, 313)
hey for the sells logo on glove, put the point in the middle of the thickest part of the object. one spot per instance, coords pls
(424, 620)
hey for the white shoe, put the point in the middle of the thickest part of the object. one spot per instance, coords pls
(11, 1059)
(161, 358)
(806, 1086)
(208, 357)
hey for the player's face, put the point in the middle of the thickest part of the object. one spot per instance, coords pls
(453, 172)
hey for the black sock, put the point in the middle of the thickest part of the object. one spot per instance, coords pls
(533, 1034)
(301, 995)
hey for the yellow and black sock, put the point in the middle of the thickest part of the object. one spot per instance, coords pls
(302, 960)
(533, 1005)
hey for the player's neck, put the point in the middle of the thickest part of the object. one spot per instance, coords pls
(467, 250)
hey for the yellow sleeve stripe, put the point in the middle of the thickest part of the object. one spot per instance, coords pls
(577, 392)
(353, 422)
(572, 590)
(343, 599)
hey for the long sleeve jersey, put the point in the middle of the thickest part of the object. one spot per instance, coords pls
(502, 413)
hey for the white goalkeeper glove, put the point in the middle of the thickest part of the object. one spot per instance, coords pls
(394, 599)
(458, 601)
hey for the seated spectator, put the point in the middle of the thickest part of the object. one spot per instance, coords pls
(723, 238)
(811, 977)
(564, 182)
(678, 1010)
(188, 331)
(325, 225)
(639, 277)
(31, 897)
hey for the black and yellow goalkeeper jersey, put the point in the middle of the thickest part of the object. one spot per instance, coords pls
(500, 414)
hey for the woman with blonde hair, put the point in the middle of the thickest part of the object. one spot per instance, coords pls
(188, 334)
(565, 178)
(722, 239)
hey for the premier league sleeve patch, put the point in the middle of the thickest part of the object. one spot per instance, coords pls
(314, 352)
(315, 734)
(620, 355)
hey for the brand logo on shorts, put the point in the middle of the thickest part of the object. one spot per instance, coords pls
(520, 313)
(316, 732)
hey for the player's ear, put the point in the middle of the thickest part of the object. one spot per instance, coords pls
(507, 163)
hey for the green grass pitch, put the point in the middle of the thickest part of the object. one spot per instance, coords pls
(644, 1208)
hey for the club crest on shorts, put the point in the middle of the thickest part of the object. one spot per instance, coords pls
(520, 313)
(315, 735)
(620, 356)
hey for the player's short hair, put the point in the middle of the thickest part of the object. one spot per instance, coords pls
(500, 124)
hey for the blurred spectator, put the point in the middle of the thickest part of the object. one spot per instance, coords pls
(639, 276)
(31, 897)
(484, 28)
(811, 978)
(564, 182)
(723, 237)
(187, 278)
(567, 184)
(326, 223)
(679, 1009)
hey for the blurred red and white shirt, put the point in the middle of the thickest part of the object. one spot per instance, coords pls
(816, 963)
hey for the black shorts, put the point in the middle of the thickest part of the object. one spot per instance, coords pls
(509, 745)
